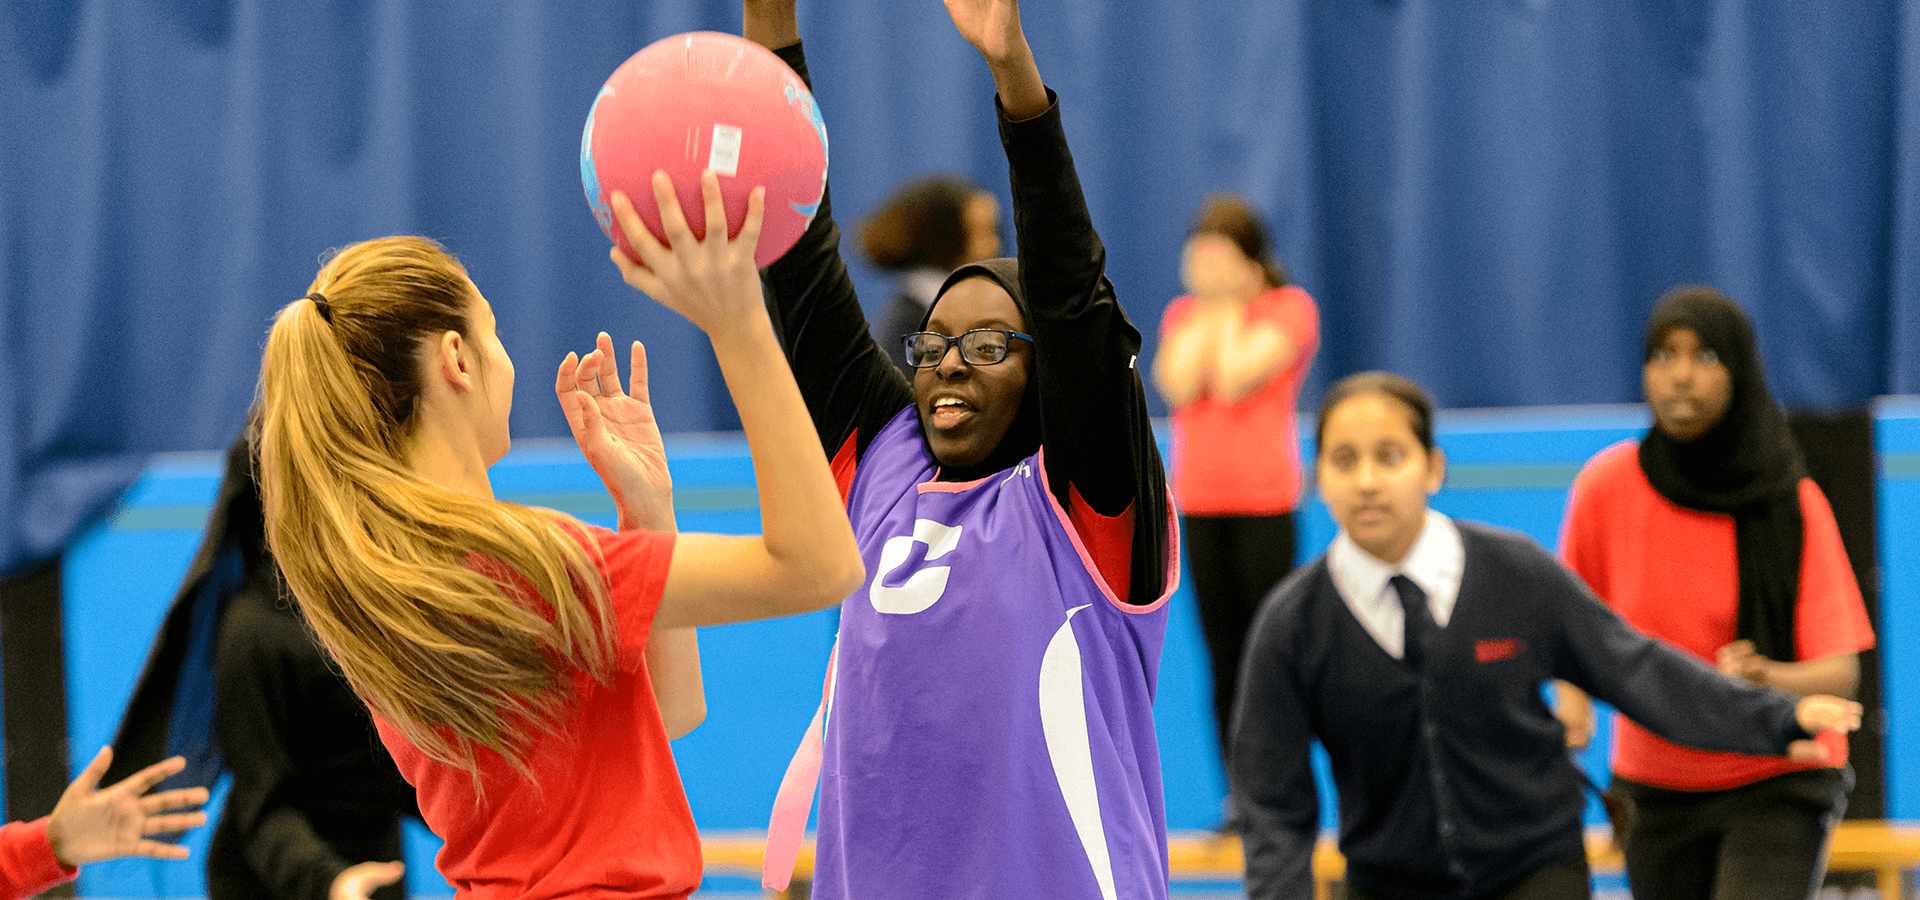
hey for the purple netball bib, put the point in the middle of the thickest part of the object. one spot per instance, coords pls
(990, 728)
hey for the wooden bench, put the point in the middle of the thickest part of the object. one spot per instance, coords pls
(1888, 849)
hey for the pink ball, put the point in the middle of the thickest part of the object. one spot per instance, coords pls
(705, 100)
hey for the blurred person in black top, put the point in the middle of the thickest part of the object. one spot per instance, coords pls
(236, 682)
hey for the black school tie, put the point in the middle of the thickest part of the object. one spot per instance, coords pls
(1419, 620)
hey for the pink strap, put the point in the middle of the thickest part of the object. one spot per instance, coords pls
(787, 827)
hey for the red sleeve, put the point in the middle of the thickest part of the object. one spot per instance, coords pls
(1292, 311)
(635, 564)
(1583, 530)
(27, 863)
(844, 463)
(1108, 539)
(1301, 319)
(1831, 618)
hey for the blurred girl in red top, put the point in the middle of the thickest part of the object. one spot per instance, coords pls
(1233, 353)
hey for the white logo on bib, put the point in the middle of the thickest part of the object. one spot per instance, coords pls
(924, 587)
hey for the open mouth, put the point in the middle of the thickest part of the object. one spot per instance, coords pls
(948, 412)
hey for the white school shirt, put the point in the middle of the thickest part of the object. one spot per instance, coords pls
(1434, 563)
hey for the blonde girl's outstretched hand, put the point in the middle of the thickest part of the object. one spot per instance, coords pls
(618, 433)
(711, 281)
(1820, 713)
(805, 558)
(88, 826)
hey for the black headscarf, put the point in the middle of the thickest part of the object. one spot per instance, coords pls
(171, 712)
(1023, 435)
(1746, 465)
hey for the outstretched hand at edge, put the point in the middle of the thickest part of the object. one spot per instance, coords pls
(89, 825)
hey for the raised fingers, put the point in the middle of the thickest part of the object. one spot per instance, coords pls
(166, 800)
(606, 371)
(89, 777)
(173, 823)
(756, 215)
(716, 207)
(638, 374)
(566, 379)
(142, 781)
(637, 271)
(159, 850)
(673, 221)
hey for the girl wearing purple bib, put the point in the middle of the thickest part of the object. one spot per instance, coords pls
(987, 730)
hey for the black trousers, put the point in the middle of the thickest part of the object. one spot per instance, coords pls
(1235, 561)
(1762, 841)
(1569, 879)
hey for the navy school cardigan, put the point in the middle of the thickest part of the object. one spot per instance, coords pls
(1456, 781)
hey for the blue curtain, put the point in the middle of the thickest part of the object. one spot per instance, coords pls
(1487, 195)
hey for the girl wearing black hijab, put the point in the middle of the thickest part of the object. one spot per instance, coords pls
(988, 722)
(1708, 533)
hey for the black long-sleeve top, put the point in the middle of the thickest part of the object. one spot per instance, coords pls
(236, 683)
(1454, 781)
(1093, 412)
(314, 791)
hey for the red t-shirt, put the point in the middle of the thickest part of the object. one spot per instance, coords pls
(1243, 459)
(604, 814)
(27, 863)
(1671, 572)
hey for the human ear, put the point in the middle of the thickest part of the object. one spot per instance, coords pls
(451, 358)
(1436, 469)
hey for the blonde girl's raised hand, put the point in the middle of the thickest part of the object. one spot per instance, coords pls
(710, 281)
(620, 438)
(806, 558)
(618, 433)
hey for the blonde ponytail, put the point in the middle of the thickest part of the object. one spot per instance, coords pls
(456, 618)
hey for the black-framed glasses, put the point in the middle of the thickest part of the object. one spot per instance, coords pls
(979, 347)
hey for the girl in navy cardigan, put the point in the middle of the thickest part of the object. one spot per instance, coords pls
(1415, 650)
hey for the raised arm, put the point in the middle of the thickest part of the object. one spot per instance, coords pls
(619, 436)
(806, 558)
(1094, 425)
(850, 385)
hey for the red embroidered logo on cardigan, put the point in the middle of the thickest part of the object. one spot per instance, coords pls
(1496, 650)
